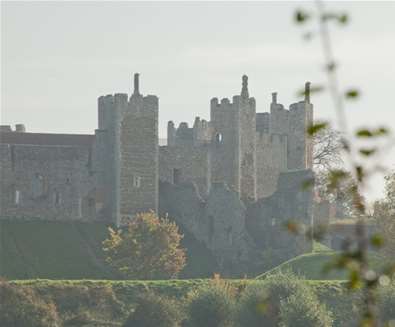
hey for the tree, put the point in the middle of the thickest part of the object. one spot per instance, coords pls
(326, 149)
(147, 248)
(326, 159)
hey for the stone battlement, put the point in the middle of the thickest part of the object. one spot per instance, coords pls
(116, 171)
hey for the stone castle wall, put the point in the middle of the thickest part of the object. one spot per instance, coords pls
(118, 172)
(222, 180)
(47, 182)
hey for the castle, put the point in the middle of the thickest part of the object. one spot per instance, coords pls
(117, 172)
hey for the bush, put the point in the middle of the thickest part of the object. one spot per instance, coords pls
(259, 304)
(304, 310)
(97, 301)
(155, 310)
(211, 306)
(20, 306)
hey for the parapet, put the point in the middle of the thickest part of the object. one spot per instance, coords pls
(20, 128)
(5, 128)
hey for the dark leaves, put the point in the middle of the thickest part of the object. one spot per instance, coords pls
(301, 16)
(313, 89)
(368, 133)
(315, 128)
(352, 94)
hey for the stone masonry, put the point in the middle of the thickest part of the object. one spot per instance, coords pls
(239, 159)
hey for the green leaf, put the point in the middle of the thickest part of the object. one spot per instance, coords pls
(367, 133)
(367, 152)
(352, 94)
(301, 16)
(315, 128)
(381, 131)
(364, 133)
(313, 89)
(343, 19)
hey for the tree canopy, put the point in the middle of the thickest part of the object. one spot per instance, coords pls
(148, 247)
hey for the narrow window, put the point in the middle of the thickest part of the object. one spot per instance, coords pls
(79, 208)
(17, 197)
(136, 181)
(38, 186)
(57, 198)
(218, 138)
(176, 176)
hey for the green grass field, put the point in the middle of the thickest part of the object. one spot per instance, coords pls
(52, 250)
(59, 250)
(65, 250)
(313, 265)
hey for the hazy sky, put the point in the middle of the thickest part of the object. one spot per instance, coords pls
(57, 58)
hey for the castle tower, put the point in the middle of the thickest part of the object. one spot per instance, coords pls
(233, 145)
(128, 150)
(139, 154)
(300, 145)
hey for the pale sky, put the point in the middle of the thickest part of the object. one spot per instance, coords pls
(57, 58)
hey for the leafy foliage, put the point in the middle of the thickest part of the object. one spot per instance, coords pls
(304, 310)
(211, 306)
(20, 306)
(154, 310)
(149, 248)
(260, 303)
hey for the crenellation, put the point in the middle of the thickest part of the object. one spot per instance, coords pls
(116, 172)
(217, 177)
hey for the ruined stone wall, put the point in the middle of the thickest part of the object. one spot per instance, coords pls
(291, 201)
(47, 182)
(180, 164)
(271, 158)
(225, 144)
(218, 221)
(202, 132)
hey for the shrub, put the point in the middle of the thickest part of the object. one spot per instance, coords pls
(79, 301)
(154, 310)
(211, 306)
(259, 304)
(20, 306)
(304, 310)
